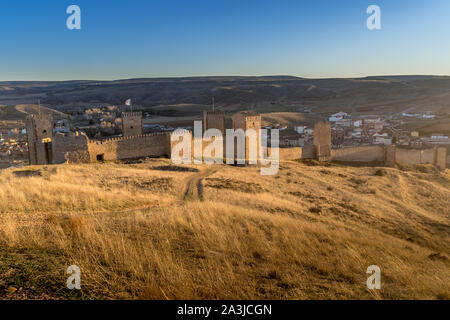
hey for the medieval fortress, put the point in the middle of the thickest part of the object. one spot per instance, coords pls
(49, 146)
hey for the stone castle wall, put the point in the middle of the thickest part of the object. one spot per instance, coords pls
(71, 148)
(43, 152)
(359, 154)
(441, 158)
(290, 153)
(148, 145)
(436, 156)
(392, 155)
(46, 148)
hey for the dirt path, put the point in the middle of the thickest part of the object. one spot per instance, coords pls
(193, 188)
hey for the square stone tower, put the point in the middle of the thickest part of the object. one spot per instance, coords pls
(214, 119)
(246, 120)
(322, 141)
(39, 135)
(131, 124)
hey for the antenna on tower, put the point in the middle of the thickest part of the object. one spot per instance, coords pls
(39, 106)
(213, 103)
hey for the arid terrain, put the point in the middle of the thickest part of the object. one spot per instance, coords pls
(189, 96)
(152, 230)
(286, 100)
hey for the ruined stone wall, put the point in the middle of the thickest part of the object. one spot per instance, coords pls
(71, 148)
(39, 128)
(131, 124)
(149, 145)
(32, 155)
(43, 152)
(359, 154)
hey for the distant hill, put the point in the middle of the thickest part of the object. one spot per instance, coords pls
(364, 95)
(10, 113)
(36, 109)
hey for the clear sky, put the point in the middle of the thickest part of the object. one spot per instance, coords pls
(169, 38)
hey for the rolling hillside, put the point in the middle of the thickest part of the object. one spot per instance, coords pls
(167, 96)
(151, 230)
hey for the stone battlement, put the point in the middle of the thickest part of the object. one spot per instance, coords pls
(149, 135)
(219, 112)
(132, 114)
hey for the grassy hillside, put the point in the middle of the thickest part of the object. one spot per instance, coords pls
(150, 230)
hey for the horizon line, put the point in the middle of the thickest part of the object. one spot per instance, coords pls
(235, 76)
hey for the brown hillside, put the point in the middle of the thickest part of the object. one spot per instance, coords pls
(151, 230)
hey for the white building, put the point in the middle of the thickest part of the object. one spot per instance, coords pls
(300, 129)
(338, 116)
(309, 131)
(382, 138)
(438, 136)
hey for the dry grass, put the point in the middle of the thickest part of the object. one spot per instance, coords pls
(308, 233)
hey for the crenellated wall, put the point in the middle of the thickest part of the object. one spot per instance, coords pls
(75, 147)
(148, 145)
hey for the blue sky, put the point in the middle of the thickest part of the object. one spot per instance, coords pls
(170, 38)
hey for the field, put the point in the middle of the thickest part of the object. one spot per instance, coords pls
(151, 230)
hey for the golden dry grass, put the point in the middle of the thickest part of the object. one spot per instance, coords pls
(309, 232)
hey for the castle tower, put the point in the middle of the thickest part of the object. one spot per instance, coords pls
(246, 120)
(131, 124)
(322, 141)
(39, 134)
(214, 119)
